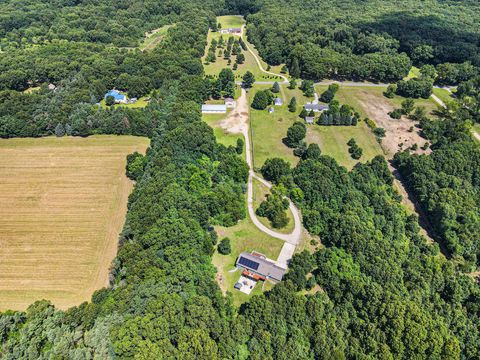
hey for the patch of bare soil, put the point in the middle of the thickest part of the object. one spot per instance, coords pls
(237, 121)
(400, 134)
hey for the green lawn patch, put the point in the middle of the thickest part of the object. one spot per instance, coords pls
(443, 94)
(333, 142)
(413, 73)
(140, 103)
(268, 130)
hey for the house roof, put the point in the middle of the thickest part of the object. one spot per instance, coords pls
(277, 101)
(214, 107)
(318, 107)
(309, 118)
(116, 95)
(260, 266)
(228, 99)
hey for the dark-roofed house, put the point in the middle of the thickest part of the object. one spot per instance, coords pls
(315, 107)
(260, 267)
(309, 119)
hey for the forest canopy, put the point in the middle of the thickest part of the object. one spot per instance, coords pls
(373, 39)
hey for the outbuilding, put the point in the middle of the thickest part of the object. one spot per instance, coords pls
(309, 119)
(229, 102)
(214, 108)
(277, 102)
(271, 110)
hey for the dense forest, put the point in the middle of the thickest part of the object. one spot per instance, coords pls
(373, 40)
(82, 70)
(447, 182)
(376, 290)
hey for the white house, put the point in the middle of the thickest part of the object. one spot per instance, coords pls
(214, 108)
(315, 107)
(230, 103)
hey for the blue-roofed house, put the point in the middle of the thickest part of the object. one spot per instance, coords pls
(119, 98)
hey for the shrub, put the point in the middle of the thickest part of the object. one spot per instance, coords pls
(395, 114)
(224, 247)
(59, 130)
(370, 123)
(380, 132)
(239, 147)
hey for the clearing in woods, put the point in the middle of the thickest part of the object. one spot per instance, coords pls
(154, 37)
(250, 64)
(64, 202)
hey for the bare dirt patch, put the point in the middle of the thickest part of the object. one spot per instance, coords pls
(397, 131)
(236, 121)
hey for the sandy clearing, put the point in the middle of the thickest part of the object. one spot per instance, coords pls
(397, 131)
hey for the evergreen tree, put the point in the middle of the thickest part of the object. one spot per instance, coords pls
(276, 88)
(292, 106)
(248, 80)
(59, 130)
(295, 69)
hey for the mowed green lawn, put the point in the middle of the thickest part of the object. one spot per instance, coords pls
(250, 63)
(140, 103)
(443, 94)
(333, 142)
(230, 21)
(269, 130)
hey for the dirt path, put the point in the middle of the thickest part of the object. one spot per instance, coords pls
(237, 123)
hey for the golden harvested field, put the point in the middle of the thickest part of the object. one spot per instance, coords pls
(62, 206)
